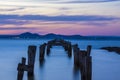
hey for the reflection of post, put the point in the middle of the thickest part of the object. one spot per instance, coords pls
(31, 59)
(21, 67)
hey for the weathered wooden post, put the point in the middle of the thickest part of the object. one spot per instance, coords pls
(31, 77)
(65, 46)
(48, 48)
(88, 50)
(42, 52)
(89, 63)
(69, 50)
(20, 69)
(82, 64)
(76, 55)
(89, 68)
(86, 69)
(31, 59)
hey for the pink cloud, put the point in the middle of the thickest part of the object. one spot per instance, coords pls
(67, 28)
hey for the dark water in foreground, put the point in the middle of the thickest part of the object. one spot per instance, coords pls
(58, 66)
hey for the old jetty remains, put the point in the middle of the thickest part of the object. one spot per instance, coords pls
(82, 58)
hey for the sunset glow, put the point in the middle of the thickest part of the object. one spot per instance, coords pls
(68, 17)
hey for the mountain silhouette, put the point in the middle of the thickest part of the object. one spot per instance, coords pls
(28, 35)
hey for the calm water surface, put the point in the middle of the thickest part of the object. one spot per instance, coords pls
(58, 66)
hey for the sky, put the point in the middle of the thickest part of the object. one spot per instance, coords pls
(67, 17)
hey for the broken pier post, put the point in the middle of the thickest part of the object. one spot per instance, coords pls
(89, 68)
(42, 52)
(21, 69)
(69, 50)
(48, 48)
(31, 59)
(86, 70)
(76, 55)
(89, 50)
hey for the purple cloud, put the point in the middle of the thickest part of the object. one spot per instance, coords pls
(16, 28)
(6, 18)
(13, 21)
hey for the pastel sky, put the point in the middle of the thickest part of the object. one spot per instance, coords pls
(68, 17)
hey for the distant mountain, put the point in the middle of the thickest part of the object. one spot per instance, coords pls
(28, 35)
(57, 36)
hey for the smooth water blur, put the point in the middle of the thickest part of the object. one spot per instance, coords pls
(58, 66)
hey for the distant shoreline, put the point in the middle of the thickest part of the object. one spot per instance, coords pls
(28, 35)
(59, 38)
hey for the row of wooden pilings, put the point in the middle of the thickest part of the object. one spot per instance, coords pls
(66, 45)
(82, 59)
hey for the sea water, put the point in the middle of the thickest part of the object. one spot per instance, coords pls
(58, 66)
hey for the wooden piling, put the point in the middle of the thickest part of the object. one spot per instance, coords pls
(31, 77)
(88, 50)
(31, 59)
(48, 49)
(86, 64)
(76, 55)
(83, 60)
(42, 52)
(83, 67)
(20, 69)
(89, 68)
(69, 50)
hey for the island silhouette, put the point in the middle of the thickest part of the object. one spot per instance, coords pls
(28, 35)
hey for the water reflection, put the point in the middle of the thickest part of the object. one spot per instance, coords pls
(41, 63)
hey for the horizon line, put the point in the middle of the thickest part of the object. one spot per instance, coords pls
(62, 34)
